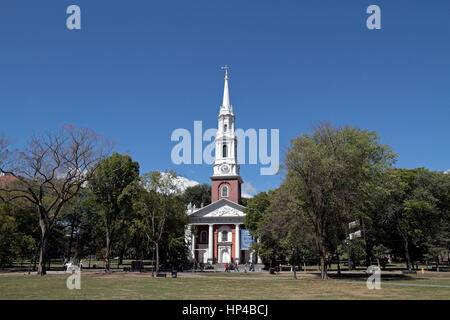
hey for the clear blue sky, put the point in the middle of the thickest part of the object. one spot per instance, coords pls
(140, 69)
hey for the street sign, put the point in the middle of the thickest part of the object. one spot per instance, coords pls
(246, 239)
(354, 235)
(353, 224)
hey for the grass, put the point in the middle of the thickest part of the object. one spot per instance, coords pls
(220, 286)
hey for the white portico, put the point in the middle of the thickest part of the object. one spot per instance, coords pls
(215, 232)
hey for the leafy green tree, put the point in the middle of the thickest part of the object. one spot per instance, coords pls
(110, 188)
(419, 213)
(328, 173)
(244, 201)
(286, 228)
(256, 211)
(71, 217)
(91, 234)
(199, 195)
(14, 242)
(161, 214)
(255, 221)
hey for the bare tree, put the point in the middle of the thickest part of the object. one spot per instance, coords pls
(49, 172)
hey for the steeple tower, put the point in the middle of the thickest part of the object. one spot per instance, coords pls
(226, 182)
(226, 91)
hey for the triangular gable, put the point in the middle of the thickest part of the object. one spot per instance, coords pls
(221, 208)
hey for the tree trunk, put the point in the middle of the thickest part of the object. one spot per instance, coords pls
(323, 262)
(323, 267)
(338, 267)
(34, 263)
(408, 260)
(349, 256)
(45, 232)
(42, 269)
(368, 256)
(69, 249)
(108, 251)
(157, 258)
(295, 271)
(368, 248)
(122, 253)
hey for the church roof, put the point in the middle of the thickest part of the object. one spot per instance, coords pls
(220, 208)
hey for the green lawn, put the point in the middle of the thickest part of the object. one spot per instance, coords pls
(219, 286)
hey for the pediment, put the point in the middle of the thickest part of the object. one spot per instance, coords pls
(225, 211)
(221, 208)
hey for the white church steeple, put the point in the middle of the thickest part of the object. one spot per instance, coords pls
(226, 91)
(225, 163)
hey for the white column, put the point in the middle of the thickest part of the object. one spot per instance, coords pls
(237, 251)
(192, 243)
(210, 243)
(259, 257)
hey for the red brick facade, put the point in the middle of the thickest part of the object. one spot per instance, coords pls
(234, 189)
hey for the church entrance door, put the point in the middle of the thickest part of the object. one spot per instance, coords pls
(224, 256)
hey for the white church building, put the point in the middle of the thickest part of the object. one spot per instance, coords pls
(216, 233)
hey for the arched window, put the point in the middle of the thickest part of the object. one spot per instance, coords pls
(225, 127)
(224, 191)
(225, 236)
(224, 151)
(203, 237)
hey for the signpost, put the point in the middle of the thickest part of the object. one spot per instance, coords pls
(356, 234)
(354, 224)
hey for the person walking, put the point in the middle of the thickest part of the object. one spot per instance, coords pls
(226, 267)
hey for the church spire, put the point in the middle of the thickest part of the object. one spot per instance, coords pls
(226, 181)
(226, 92)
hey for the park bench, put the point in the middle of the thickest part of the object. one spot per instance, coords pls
(285, 268)
(409, 272)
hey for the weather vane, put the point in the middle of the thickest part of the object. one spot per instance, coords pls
(226, 67)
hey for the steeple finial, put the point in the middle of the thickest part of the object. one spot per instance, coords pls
(226, 67)
(226, 93)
